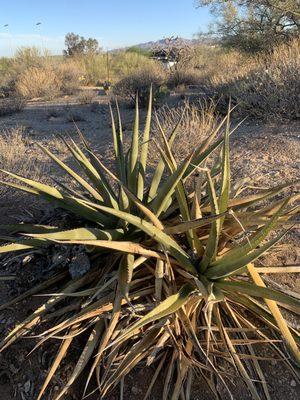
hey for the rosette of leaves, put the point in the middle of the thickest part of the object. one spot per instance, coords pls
(172, 282)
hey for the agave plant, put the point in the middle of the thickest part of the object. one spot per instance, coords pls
(172, 282)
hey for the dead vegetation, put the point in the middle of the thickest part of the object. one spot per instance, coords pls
(11, 105)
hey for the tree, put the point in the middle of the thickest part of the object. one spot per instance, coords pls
(255, 25)
(76, 44)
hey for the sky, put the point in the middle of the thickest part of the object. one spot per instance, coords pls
(114, 23)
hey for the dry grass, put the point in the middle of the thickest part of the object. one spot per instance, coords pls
(272, 88)
(17, 157)
(38, 82)
(140, 81)
(86, 96)
(199, 121)
(70, 75)
(265, 86)
(16, 153)
(11, 105)
(183, 77)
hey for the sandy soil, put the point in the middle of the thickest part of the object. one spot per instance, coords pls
(265, 153)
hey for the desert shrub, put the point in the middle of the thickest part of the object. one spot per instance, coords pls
(38, 82)
(98, 68)
(70, 76)
(94, 67)
(86, 96)
(272, 88)
(165, 274)
(224, 66)
(264, 86)
(18, 156)
(13, 145)
(26, 57)
(126, 63)
(184, 77)
(5, 65)
(139, 82)
(11, 105)
(268, 87)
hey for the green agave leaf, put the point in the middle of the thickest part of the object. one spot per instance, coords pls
(221, 271)
(82, 234)
(7, 277)
(124, 202)
(225, 179)
(73, 174)
(258, 291)
(101, 185)
(165, 308)
(95, 163)
(21, 244)
(171, 164)
(169, 244)
(122, 246)
(118, 144)
(247, 201)
(161, 164)
(52, 194)
(134, 152)
(125, 273)
(193, 224)
(20, 187)
(252, 242)
(168, 188)
(144, 150)
(212, 243)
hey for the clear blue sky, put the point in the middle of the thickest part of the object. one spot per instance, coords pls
(114, 23)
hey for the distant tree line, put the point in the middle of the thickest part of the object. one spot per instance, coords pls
(254, 25)
(76, 45)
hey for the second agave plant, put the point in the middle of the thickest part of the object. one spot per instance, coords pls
(172, 282)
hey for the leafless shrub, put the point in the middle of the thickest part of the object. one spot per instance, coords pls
(265, 86)
(140, 82)
(16, 155)
(272, 89)
(70, 76)
(86, 96)
(184, 77)
(11, 105)
(38, 82)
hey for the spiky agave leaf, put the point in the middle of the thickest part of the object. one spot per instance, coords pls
(171, 284)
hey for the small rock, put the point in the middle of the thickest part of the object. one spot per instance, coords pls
(134, 390)
(79, 265)
(293, 383)
(27, 386)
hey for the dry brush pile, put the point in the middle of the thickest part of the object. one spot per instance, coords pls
(172, 281)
